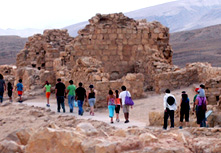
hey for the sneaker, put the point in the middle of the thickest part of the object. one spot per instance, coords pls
(47, 105)
(127, 121)
(180, 127)
(71, 110)
(118, 120)
(112, 122)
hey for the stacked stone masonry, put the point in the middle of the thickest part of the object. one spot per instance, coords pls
(113, 50)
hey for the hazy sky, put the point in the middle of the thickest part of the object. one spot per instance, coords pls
(20, 14)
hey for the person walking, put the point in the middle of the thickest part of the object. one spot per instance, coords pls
(10, 89)
(47, 89)
(71, 95)
(20, 89)
(111, 105)
(117, 106)
(194, 101)
(91, 99)
(201, 103)
(80, 97)
(60, 94)
(2, 87)
(122, 96)
(184, 109)
(170, 105)
(202, 91)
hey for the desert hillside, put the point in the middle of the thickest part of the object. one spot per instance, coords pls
(9, 47)
(202, 45)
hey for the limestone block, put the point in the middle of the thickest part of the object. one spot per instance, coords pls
(147, 138)
(106, 147)
(10, 147)
(24, 135)
(66, 141)
(86, 128)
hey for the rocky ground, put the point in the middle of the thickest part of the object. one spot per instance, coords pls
(32, 128)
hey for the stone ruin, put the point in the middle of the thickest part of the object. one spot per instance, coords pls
(113, 50)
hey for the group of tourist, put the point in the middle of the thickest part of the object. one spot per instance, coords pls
(199, 106)
(19, 88)
(114, 101)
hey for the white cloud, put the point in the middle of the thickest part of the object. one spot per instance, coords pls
(19, 14)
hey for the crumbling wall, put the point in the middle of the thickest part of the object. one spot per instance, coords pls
(119, 42)
(192, 73)
(213, 90)
(113, 50)
(40, 50)
(88, 70)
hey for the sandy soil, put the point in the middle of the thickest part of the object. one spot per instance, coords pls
(16, 116)
(139, 114)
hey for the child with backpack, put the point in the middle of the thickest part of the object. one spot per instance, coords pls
(111, 105)
(184, 109)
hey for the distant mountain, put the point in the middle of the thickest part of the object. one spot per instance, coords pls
(9, 47)
(179, 15)
(201, 45)
(183, 14)
(22, 33)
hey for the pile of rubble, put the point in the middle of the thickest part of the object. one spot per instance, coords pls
(46, 131)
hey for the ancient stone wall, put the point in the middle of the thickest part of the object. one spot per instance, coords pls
(192, 73)
(119, 42)
(213, 90)
(41, 50)
(113, 50)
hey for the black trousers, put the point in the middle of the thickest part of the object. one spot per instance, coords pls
(60, 103)
(168, 113)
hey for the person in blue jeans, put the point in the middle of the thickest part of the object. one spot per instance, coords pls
(111, 105)
(80, 97)
(71, 94)
(60, 94)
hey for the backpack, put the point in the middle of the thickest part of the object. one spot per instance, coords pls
(202, 102)
(111, 101)
(170, 100)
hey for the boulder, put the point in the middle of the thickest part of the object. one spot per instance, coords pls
(10, 147)
(24, 135)
(86, 128)
(147, 138)
(55, 141)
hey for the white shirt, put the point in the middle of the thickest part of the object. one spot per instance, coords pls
(123, 95)
(166, 105)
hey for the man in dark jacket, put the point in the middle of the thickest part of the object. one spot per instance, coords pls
(60, 94)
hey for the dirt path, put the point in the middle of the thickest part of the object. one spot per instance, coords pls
(139, 115)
